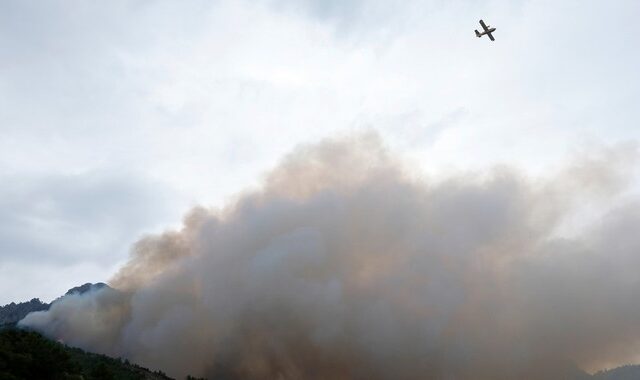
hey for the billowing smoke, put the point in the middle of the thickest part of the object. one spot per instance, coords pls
(348, 265)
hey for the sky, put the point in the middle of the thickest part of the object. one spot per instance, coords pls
(117, 117)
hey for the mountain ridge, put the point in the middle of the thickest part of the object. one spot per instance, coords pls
(12, 313)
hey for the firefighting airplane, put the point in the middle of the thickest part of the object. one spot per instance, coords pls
(487, 30)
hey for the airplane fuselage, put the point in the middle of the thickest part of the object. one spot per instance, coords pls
(487, 32)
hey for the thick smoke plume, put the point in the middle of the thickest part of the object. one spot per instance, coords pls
(346, 265)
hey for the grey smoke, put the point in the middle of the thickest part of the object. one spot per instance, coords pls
(347, 264)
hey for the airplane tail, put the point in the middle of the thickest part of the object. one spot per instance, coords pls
(478, 33)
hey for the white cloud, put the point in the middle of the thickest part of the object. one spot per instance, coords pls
(200, 98)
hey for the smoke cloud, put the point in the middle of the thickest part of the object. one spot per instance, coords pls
(346, 264)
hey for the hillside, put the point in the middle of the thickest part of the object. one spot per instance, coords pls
(28, 355)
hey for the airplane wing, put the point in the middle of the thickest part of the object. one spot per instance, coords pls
(490, 36)
(484, 26)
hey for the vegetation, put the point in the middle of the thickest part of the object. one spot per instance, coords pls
(13, 312)
(28, 355)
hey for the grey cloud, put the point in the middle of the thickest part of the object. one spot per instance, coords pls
(63, 219)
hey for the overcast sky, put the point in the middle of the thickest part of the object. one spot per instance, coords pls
(116, 117)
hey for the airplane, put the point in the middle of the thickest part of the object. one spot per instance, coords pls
(487, 30)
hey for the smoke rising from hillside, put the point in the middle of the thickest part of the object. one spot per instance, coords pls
(345, 266)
